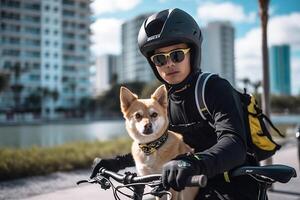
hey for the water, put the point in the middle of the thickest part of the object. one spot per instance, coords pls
(23, 136)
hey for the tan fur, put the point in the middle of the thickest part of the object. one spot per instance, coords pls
(152, 164)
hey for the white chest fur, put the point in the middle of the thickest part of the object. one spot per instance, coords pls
(148, 165)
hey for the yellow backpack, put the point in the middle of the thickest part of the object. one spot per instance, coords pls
(260, 142)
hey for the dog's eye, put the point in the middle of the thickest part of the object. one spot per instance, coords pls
(138, 116)
(153, 115)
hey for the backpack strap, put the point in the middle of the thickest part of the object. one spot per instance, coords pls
(200, 97)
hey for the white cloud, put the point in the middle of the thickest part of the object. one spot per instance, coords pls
(281, 29)
(285, 29)
(211, 11)
(110, 6)
(106, 36)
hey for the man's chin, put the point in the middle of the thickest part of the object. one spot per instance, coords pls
(173, 81)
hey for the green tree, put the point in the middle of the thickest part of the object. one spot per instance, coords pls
(17, 87)
(109, 101)
(4, 81)
(150, 88)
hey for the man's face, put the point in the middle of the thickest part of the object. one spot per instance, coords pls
(174, 72)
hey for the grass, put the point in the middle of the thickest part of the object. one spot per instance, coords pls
(17, 163)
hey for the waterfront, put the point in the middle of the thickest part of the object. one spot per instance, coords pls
(22, 136)
(56, 133)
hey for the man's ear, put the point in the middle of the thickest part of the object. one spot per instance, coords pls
(126, 98)
(161, 96)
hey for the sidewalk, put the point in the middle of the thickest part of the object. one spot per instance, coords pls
(62, 186)
(287, 156)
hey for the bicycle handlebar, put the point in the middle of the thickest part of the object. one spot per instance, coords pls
(129, 178)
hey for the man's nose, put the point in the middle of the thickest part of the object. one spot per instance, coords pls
(169, 61)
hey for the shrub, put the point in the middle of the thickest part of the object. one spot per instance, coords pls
(17, 163)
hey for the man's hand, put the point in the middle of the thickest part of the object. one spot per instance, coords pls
(109, 164)
(176, 172)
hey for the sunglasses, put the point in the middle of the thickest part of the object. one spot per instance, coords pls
(176, 56)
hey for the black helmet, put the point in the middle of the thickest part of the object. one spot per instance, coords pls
(170, 27)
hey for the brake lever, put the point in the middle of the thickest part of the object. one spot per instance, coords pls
(102, 180)
(82, 181)
(158, 191)
(87, 181)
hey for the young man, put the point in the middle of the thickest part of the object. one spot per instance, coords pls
(171, 42)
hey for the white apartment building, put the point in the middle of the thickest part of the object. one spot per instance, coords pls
(105, 72)
(134, 66)
(218, 50)
(49, 42)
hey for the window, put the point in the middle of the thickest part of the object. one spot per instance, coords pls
(36, 65)
(14, 40)
(32, 54)
(32, 6)
(55, 44)
(10, 15)
(82, 26)
(35, 31)
(34, 77)
(30, 18)
(10, 52)
(32, 42)
(55, 9)
(56, 21)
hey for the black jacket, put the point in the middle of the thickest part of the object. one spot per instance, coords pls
(221, 148)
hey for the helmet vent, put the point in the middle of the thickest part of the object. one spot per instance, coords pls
(155, 23)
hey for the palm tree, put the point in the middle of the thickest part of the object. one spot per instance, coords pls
(263, 12)
(17, 87)
(246, 82)
(255, 86)
(4, 81)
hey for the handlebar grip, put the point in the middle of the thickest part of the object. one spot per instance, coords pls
(197, 181)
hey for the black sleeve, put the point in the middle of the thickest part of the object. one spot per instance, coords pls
(125, 161)
(230, 149)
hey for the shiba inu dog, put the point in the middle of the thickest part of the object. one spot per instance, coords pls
(153, 144)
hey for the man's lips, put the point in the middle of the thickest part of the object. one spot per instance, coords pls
(172, 73)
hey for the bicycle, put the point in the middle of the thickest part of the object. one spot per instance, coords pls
(264, 175)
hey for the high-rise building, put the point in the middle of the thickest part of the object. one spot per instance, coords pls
(218, 50)
(134, 65)
(280, 69)
(105, 72)
(44, 45)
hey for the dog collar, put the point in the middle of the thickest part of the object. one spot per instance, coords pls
(150, 147)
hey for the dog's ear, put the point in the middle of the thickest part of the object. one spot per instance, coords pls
(126, 98)
(161, 96)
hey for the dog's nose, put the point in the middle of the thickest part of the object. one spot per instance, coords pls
(148, 128)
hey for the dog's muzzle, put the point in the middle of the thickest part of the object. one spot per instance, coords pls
(148, 129)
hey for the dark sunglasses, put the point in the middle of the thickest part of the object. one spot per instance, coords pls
(176, 56)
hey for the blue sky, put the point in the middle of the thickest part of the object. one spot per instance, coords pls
(284, 27)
